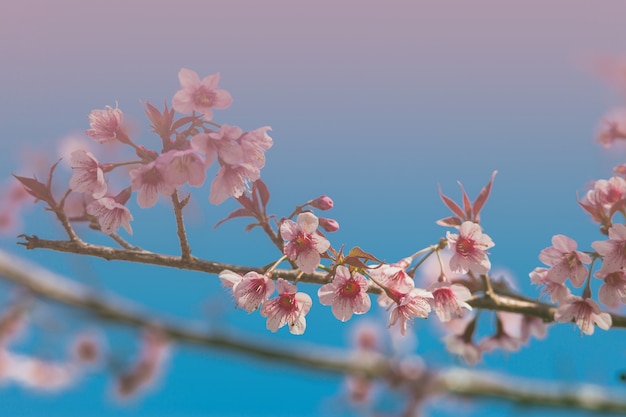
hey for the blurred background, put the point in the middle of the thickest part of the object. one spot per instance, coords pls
(372, 104)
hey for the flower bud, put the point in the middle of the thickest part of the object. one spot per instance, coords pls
(322, 203)
(329, 225)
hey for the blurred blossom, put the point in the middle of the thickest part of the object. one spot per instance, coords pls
(155, 350)
(612, 127)
(200, 95)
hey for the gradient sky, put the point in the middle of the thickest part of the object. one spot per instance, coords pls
(373, 104)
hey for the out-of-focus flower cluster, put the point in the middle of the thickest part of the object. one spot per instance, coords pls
(188, 147)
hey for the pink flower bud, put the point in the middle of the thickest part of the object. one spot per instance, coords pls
(329, 225)
(322, 203)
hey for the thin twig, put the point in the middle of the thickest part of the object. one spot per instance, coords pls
(185, 250)
(122, 242)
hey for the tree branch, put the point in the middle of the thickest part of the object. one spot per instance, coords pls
(454, 381)
(496, 302)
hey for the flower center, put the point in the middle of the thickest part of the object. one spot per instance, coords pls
(350, 288)
(304, 241)
(464, 246)
(152, 176)
(287, 302)
(203, 97)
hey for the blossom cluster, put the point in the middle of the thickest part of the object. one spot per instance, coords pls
(462, 278)
(350, 280)
(565, 263)
(189, 146)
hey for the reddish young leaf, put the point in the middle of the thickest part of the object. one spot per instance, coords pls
(454, 207)
(467, 206)
(355, 262)
(37, 189)
(251, 226)
(263, 191)
(451, 221)
(360, 253)
(161, 122)
(153, 114)
(241, 212)
(247, 203)
(183, 121)
(483, 195)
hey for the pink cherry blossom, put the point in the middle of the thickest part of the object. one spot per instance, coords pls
(532, 326)
(359, 388)
(252, 290)
(507, 335)
(111, 212)
(557, 290)
(254, 144)
(613, 127)
(612, 293)
(458, 345)
(232, 180)
(150, 180)
(366, 336)
(392, 276)
(155, 350)
(223, 143)
(35, 373)
(290, 307)
(460, 341)
(415, 303)
(613, 251)
(229, 278)
(449, 299)
(201, 96)
(107, 125)
(184, 166)
(347, 294)
(469, 248)
(608, 192)
(565, 261)
(249, 290)
(14, 201)
(584, 312)
(304, 245)
(88, 176)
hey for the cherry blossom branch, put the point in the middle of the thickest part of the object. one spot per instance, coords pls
(185, 250)
(456, 381)
(146, 257)
(497, 301)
